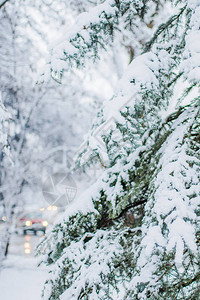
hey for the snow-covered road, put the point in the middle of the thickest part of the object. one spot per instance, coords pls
(21, 279)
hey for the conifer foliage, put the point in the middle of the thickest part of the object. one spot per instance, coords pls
(136, 233)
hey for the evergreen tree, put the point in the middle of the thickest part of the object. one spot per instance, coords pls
(135, 233)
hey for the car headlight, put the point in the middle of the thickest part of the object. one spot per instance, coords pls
(27, 250)
(44, 223)
(28, 223)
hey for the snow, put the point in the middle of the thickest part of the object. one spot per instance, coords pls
(142, 73)
(190, 65)
(21, 284)
(169, 222)
(4, 117)
(168, 226)
(20, 278)
(94, 258)
(79, 34)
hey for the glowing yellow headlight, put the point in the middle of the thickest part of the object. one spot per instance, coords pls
(28, 223)
(27, 250)
(44, 223)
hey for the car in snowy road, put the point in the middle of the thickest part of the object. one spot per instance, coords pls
(32, 222)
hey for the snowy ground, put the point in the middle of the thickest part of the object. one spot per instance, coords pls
(21, 279)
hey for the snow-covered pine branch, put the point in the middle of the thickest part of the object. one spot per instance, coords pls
(99, 28)
(167, 257)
